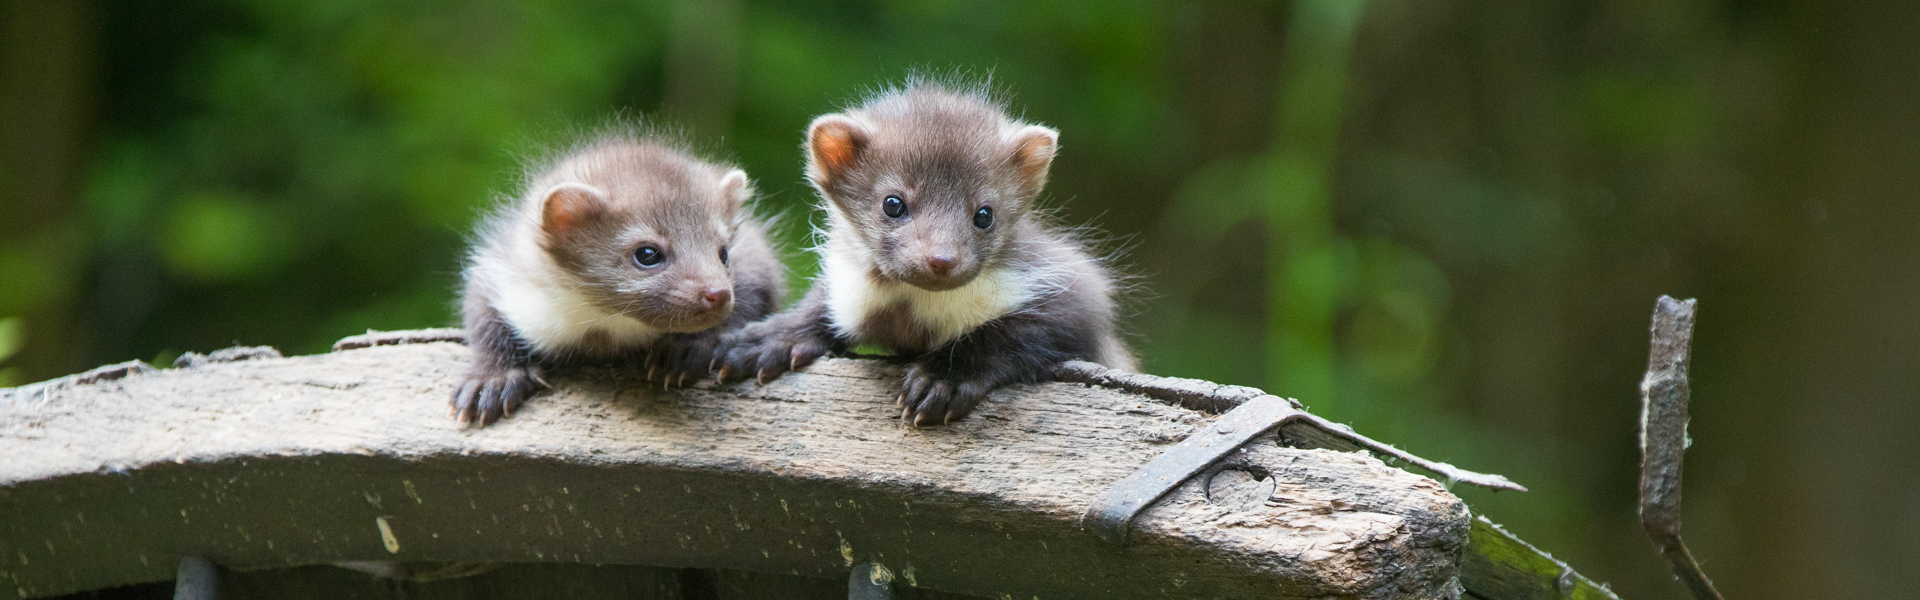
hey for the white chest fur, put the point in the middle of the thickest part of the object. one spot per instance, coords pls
(554, 319)
(854, 295)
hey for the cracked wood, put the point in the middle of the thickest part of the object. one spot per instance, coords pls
(292, 461)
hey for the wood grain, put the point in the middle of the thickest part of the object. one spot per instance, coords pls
(296, 461)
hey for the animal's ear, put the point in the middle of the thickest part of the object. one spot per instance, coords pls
(735, 190)
(1033, 150)
(835, 144)
(571, 206)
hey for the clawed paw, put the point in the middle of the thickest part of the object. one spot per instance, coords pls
(928, 399)
(681, 359)
(765, 352)
(485, 396)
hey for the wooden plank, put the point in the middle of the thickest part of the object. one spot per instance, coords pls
(299, 461)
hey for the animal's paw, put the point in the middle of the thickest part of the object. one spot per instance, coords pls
(486, 395)
(765, 350)
(927, 398)
(680, 359)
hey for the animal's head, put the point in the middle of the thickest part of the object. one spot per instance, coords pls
(645, 229)
(932, 181)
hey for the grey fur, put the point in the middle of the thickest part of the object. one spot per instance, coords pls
(945, 152)
(625, 190)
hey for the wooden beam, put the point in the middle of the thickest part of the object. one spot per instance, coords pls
(349, 456)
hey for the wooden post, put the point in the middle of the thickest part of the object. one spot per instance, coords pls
(1663, 440)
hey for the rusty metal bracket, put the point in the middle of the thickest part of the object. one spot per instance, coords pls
(1111, 516)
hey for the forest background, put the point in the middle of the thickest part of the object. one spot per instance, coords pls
(1442, 222)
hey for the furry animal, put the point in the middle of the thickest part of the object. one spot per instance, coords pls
(933, 250)
(628, 247)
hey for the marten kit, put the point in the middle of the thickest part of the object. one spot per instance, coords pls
(935, 251)
(631, 249)
(625, 248)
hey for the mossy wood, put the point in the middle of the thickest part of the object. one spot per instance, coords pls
(111, 478)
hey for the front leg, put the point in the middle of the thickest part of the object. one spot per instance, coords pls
(786, 341)
(677, 358)
(503, 374)
(947, 383)
(758, 284)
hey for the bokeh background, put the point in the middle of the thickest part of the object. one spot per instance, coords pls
(1444, 222)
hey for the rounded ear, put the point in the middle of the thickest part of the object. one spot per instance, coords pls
(570, 206)
(1033, 150)
(835, 144)
(735, 189)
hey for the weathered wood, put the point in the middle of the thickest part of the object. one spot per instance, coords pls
(295, 461)
(396, 338)
(1663, 440)
(1200, 395)
(234, 354)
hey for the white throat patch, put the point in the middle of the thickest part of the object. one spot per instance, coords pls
(854, 294)
(549, 314)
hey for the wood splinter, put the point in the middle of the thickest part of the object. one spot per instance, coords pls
(1663, 440)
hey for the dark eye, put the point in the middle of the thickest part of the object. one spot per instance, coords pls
(983, 218)
(648, 256)
(894, 206)
(723, 255)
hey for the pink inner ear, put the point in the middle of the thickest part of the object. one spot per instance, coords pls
(1034, 154)
(568, 207)
(736, 189)
(836, 146)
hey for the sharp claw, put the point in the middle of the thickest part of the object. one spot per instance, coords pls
(650, 369)
(948, 420)
(682, 381)
(726, 371)
(761, 377)
(537, 378)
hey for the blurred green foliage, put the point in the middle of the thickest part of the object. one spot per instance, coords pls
(10, 341)
(1444, 223)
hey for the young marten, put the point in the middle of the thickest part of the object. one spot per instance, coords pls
(934, 251)
(625, 248)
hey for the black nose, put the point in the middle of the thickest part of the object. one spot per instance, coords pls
(941, 265)
(716, 297)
